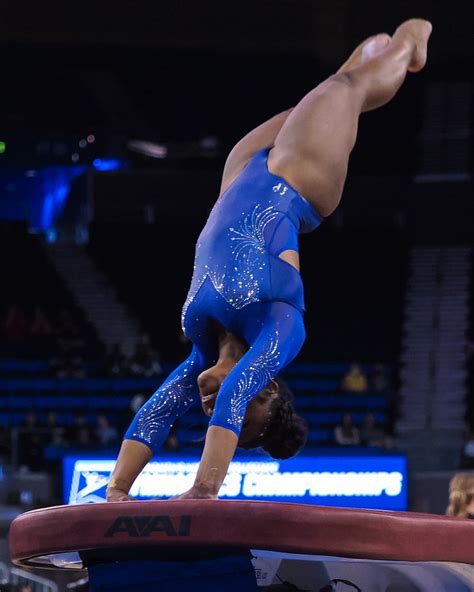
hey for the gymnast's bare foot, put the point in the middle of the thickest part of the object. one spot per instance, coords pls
(419, 30)
(365, 51)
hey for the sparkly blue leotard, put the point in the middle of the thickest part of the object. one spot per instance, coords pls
(240, 281)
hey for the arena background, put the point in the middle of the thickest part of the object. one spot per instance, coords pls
(116, 119)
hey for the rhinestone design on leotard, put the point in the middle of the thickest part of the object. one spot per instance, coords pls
(249, 262)
(253, 379)
(177, 392)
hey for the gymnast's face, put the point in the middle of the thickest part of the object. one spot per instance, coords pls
(258, 410)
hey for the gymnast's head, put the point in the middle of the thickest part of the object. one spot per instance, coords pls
(273, 424)
(270, 422)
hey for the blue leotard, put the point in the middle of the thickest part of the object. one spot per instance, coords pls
(240, 281)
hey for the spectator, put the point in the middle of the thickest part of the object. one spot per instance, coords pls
(85, 439)
(116, 363)
(80, 434)
(372, 435)
(355, 380)
(16, 325)
(461, 496)
(106, 434)
(56, 433)
(25, 588)
(379, 378)
(346, 433)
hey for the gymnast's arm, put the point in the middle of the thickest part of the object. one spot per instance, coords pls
(218, 452)
(151, 425)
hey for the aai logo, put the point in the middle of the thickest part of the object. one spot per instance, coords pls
(144, 526)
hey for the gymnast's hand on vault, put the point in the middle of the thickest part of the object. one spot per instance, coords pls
(193, 493)
(118, 495)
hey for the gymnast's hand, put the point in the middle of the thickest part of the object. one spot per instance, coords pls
(114, 494)
(218, 452)
(194, 493)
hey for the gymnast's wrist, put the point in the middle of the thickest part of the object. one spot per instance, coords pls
(119, 484)
(205, 489)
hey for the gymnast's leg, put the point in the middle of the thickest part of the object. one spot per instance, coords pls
(264, 135)
(312, 148)
(153, 421)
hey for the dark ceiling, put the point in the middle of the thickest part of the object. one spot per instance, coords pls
(326, 28)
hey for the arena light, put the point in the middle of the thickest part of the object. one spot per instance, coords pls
(378, 482)
(3, 147)
(148, 148)
(108, 164)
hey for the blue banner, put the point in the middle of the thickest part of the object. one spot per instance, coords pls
(375, 482)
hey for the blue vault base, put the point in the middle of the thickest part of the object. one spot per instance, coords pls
(231, 573)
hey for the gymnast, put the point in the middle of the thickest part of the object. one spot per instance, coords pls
(244, 310)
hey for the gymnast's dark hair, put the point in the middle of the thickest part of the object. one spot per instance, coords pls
(287, 432)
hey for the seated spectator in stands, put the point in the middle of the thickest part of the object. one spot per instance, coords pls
(145, 362)
(461, 496)
(85, 439)
(81, 435)
(370, 434)
(56, 433)
(15, 327)
(25, 588)
(40, 324)
(106, 434)
(355, 380)
(346, 433)
(116, 363)
(379, 378)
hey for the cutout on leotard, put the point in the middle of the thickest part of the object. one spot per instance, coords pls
(292, 257)
(283, 241)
